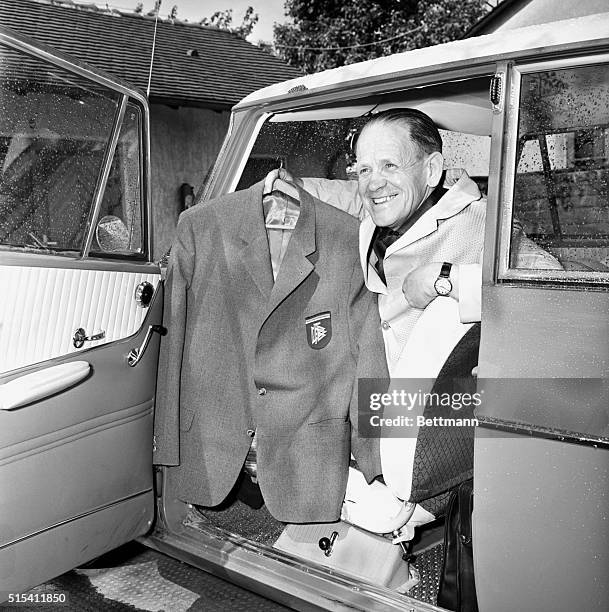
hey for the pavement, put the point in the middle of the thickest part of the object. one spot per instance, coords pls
(134, 578)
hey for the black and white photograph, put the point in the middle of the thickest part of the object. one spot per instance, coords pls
(304, 305)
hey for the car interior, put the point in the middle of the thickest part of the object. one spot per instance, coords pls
(317, 143)
(378, 544)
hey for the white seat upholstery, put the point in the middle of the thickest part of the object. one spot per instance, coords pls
(432, 340)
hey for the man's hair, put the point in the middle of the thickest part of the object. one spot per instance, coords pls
(421, 128)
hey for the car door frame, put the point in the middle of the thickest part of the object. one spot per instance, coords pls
(534, 322)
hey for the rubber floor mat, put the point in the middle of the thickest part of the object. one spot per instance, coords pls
(135, 578)
(429, 564)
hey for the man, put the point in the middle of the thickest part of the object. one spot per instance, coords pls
(413, 224)
(418, 240)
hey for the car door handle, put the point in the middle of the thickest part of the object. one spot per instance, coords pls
(136, 354)
(80, 337)
(43, 383)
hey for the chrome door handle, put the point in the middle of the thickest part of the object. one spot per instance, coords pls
(136, 354)
(80, 337)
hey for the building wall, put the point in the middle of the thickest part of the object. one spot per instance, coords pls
(543, 11)
(184, 145)
(581, 198)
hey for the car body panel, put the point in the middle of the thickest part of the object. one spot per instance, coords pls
(539, 525)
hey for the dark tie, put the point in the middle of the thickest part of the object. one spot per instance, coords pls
(383, 238)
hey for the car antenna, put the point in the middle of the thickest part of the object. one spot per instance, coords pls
(156, 21)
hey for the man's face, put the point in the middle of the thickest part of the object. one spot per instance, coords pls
(392, 174)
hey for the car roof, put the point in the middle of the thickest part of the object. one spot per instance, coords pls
(522, 42)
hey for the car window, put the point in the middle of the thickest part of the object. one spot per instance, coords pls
(55, 132)
(561, 195)
(317, 142)
(121, 206)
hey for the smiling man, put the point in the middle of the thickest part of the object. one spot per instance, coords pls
(422, 231)
(420, 241)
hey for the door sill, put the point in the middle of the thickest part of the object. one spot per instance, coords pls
(279, 576)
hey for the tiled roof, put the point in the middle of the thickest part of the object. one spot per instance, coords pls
(224, 68)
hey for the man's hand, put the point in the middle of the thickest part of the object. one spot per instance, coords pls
(418, 286)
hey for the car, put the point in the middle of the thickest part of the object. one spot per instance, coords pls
(525, 112)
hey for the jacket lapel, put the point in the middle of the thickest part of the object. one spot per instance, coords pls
(295, 266)
(255, 252)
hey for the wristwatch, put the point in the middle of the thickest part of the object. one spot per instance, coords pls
(443, 286)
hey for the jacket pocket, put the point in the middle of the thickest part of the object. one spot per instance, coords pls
(186, 419)
(331, 422)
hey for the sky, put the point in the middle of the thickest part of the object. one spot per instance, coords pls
(269, 11)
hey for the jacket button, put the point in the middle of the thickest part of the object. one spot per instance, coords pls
(385, 325)
(262, 391)
(250, 432)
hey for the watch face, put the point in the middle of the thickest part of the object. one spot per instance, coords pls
(443, 286)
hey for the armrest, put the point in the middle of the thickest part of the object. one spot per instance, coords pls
(43, 383)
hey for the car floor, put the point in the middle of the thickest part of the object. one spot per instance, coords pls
(257, 524)
(134, 578)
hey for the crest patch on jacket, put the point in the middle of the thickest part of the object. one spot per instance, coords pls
(319, 330)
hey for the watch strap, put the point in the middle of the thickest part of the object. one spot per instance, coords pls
(445, 270)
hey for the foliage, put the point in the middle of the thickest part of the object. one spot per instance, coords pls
(330, 33)
(224, 21)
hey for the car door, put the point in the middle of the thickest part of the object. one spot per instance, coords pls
(541, 461)
(79, 294)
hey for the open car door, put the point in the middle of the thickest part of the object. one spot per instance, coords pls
(541, 460)
(79, 293)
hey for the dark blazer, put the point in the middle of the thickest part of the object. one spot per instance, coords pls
(238, 357)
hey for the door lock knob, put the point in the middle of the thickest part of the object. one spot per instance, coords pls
(326, 544)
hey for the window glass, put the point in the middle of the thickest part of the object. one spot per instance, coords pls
(54, 130)
(322, 149)
(561, 201)
(306, 148)
(119, 225)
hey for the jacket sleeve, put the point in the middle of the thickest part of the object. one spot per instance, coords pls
(369, 353)
(167, 402)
